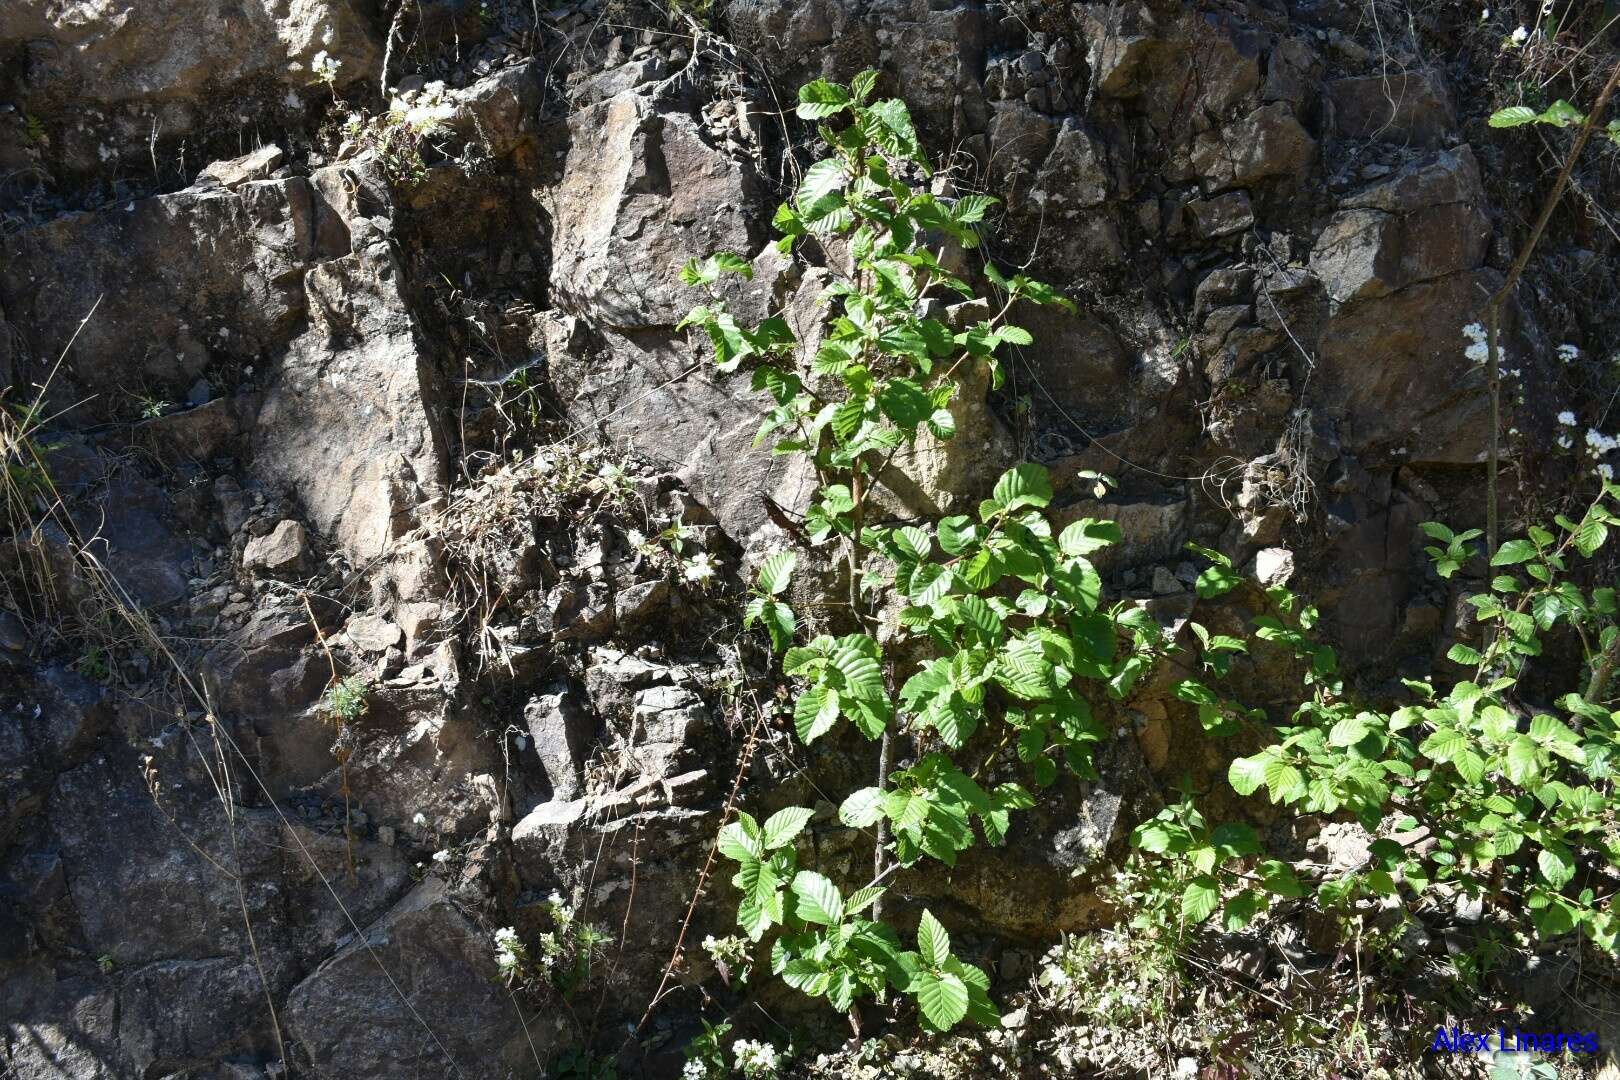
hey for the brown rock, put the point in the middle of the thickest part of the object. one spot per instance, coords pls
(1268, 143)
(284, 551)
(1401, 107)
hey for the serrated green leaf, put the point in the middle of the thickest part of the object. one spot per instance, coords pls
(776, 572)
(815, 713)
(819, 899)
(1514, 552)
(1200, 898)
(862, 899)
(862, 808)
(1241, 910)
(1088, 535)
(822, 182)
(1246, 774)
(862, 676)
(1284, 783)
(930, 582)
(933, 942)
(1217, 580)
(783, 826)
(1023, 485)
(941, 999)
(1513, 116)
(820, 99)
(1556, 864)
(736, 843)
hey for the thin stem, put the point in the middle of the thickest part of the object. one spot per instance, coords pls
(1493, 369)
(1603, 671)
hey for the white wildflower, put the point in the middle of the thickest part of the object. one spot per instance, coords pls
(419, 820)
(1566, 418)
(1518, 37)
(1568, 353)
(1477, 353)
(700, 568)
(1475, 333)
(509, 952)
(441, 856)
(1606, 471)
(325, 67)
(1564, 441)
(694, 1070)
(426, 111)
(636, 539)
(755, 1059)
(1600, 443)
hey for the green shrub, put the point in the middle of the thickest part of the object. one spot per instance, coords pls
(1008, 606)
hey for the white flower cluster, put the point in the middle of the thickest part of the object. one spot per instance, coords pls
(509, 952)
(1599, 443)
(695, 1070)
(1568, 353)
(325, 67)
(756, 1060)
(1517, 38)
(424, 111)
(1478, 351)
(700, 567)
(731, 951)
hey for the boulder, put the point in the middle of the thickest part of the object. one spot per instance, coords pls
(1411, 108)
(418, 996)
(283, 551)
(563, 730)
(259, 165)
(642, 193)
(1267, 144)
(345, 422)
(208, 275)
(1394, 364)
(152, 51)
(1155, 530)
(373, 633)
(1424, 222)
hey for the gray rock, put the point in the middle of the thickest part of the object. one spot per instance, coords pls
(166, 50)
(284, 551)
(367, 1012)
(1408, 108)
(1269, 143)
(636, 604)
(1154, 530)
(563, 730)
(1164, 582)
(373, 633)
(1423, 396)
(258, 165)
(346, 425)
(203, 272)
(642, 193)
(1425, 222)
(1221, 216)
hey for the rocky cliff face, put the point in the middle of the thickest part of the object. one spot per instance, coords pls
(336, 390)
